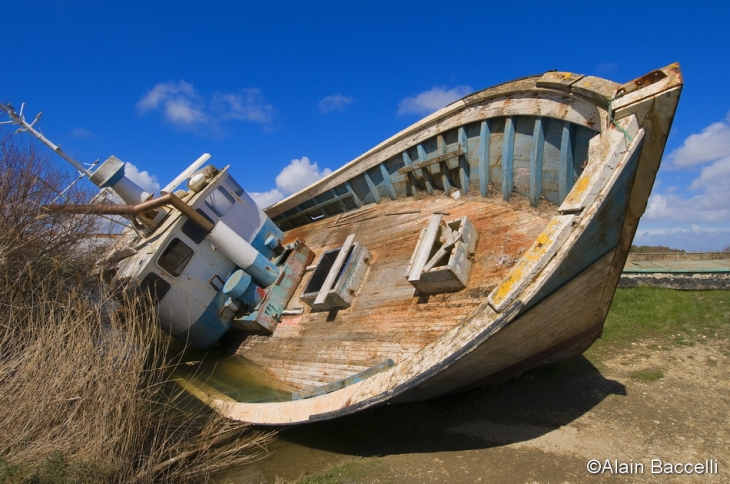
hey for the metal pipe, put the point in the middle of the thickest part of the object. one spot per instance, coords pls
(188, 171)
(167, 199)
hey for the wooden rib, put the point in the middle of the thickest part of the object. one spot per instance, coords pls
(427, 178)
(463, 162)
(388, 182)
(335, 270)
(411, 175)
(536, 154)
(315, 207)
(508, 155)
(371, 186)
(566, 171)
(484, 135)
(288, 219)
(355, 198)
(445, 182)
(343, 207)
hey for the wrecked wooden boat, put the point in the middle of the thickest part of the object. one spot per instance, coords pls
(484, 240)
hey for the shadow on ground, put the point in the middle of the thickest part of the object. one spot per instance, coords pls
(515, 410)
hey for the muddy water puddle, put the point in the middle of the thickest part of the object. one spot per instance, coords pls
(544, 426)
(234, 376)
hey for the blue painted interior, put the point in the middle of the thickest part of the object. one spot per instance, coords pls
(533, 157)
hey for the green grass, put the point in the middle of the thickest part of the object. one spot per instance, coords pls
(667, 316)
(56, 469)
(647, 375)
(350, 472)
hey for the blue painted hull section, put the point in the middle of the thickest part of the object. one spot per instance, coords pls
(209, 327)
(269, 228)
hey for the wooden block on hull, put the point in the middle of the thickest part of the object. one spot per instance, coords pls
(453, 276)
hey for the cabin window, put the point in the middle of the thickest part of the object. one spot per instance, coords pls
(175, 257)
(234, 186)
(323, 269)
(193, 231)
(219, 201)
(156, 286)
(339, 278)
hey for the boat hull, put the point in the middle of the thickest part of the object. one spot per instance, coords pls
(538, 294)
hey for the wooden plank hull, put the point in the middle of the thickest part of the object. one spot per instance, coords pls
(553, 172)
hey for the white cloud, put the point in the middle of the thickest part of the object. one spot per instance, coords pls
(246, 105)
(182, 105)
(432, 100)
(695, 216)
(717, 175)
(607, 68)
(693, 238)
(712, 203)
(710, 207)
(145, 181)
(81, 133)
(265, 199)
(298, 174)
(336, 102)
(178, 101)
(711, 144)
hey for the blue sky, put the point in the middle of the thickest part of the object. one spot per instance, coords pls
(285, 91)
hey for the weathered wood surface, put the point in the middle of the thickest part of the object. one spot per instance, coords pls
(557, 319)
(387, 318)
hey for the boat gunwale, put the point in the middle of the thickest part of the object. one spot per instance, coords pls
(504, 91)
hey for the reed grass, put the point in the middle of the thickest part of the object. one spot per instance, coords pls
(85, 394)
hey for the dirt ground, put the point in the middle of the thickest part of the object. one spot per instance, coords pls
(627, 407)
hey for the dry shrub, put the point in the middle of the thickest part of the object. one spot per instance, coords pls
(93, 387)
(84, 387)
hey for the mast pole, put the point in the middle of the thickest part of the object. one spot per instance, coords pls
(19, 119)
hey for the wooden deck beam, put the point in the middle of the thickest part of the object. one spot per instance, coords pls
(427, 162)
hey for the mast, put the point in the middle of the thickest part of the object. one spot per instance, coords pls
(19, 119)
